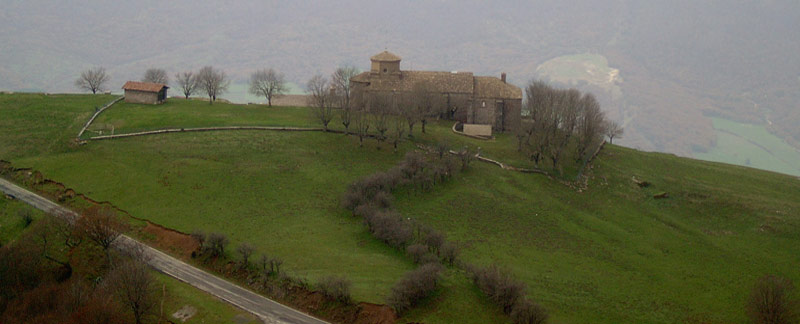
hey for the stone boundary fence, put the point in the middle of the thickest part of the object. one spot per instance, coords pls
(468, 135)
(97, 113)
(208, 129)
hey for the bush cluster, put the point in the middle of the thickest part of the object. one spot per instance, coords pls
(336, 288)
(371, 198)
(508, 293)
(415, 286)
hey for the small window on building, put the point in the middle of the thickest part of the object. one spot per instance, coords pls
(385, 70)
(483, 103)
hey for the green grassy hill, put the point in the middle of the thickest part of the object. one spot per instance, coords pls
(609, 254)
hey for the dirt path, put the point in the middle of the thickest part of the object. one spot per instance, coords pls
(267, 310)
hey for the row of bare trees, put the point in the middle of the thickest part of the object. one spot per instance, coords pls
(561, 123)
(389, 116)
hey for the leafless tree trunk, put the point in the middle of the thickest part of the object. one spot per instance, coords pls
(426, 105)
(134, 288)
(361, 121)
(268, 83)
(380, 105)
(154, 75)
(245, 250)
(188, 83)
(101, 226)
(341, 82)
(93, 80)
(590, 127)
(772, 302)
(613, 129)
(321, 99)
(399, 122)
(213, 82)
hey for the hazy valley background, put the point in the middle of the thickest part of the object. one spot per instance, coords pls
(717, 80)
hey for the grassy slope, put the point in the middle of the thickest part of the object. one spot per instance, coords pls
(611, 253)
(614, 254)
(11, 224)
(209, 308)
(751, 145)
(176, 113)
(239, 183)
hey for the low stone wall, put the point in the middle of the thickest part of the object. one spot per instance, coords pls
(468, 135)
(478, 130)
(207, 129)
(97, 113)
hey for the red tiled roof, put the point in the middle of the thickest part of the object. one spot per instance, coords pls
(144, 86)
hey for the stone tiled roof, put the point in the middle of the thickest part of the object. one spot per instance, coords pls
(449, 82)
(491, 87)
(144, 86)
(385, 56)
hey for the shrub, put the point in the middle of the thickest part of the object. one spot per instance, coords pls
(429, 258)
(366, 210)
(433, 239)
(416, 252)
(382, 200)
(466, 157)
(412, 164)
(275, 265)
(389, 227)
(449, 252)
(772, 301)
(216, 244)
(336, 288)
(200, 237)
(245, 250)
(527, 312)
(442, 148)
(499, 286)
(415, 286)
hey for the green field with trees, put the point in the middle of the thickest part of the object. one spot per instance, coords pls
(608, 252)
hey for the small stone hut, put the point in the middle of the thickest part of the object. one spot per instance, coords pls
(469, 99)
(145, 92)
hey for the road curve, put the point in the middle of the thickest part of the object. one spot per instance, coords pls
(265, 309)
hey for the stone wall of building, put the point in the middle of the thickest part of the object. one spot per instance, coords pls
(141, 97)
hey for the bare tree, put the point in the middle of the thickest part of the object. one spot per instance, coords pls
(101, 226)
(213, 82)
(772, 302)
(344, 94)
(399, 123)
(590, 126)
(134, 288)
(426, 105)
(613, 129)
(361, 121)
(187, 81)
(93, 80)
(156, 76)
(268, 83)
(245, 250)
(380, 106)
(321, 99)
(216, 243)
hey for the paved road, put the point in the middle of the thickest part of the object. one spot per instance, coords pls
(267, 310)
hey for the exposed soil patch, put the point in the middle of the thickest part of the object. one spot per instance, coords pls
(177, 243)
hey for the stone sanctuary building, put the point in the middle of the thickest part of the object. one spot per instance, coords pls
(469, 99)
(145, 92)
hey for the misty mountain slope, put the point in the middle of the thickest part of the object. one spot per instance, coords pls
(679, 61)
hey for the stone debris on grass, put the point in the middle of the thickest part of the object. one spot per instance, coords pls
(185, 313)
